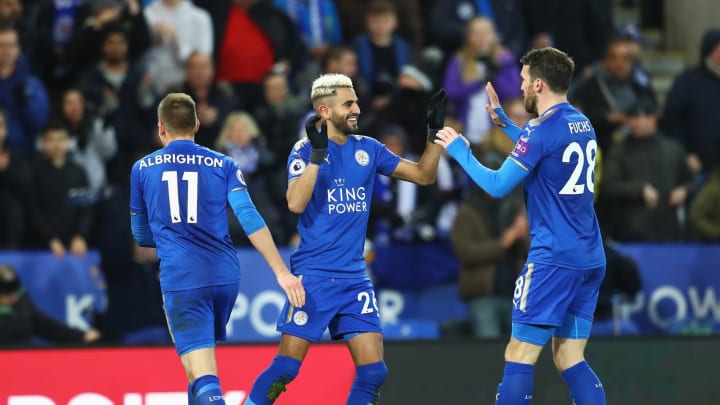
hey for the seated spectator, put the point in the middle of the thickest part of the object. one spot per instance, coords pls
(704, 215)
(482, 59)
(317, 22)
(179, 28)
(490, 240)
(252, 36)
(646, 180)
(401, 211)
(14, 188)
(448, 19)
(607, 95)
(214, 100)
(95, 17)
(381, 53)
(22, 96)
(59, 213)
(21, 320)
(690, 114)
(410, 27)
(92, 143)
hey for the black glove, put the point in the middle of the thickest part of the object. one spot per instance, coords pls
(318, 140)
(435, 116)
(19, 94)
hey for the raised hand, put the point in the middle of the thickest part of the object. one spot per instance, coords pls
(318, 140)
(435, 116)
(494, 104)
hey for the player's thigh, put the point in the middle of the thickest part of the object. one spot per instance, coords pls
(585, 300)
(191, 318)
(321, 304)
(224, 297)
(543, 293)
(567, 352)
(366, 348)
(521, 351)
(358, 310)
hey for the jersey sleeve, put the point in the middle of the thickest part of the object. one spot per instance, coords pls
(137, 202)
(387, 161)
(298, 159)
(530, 148)
(234, 176)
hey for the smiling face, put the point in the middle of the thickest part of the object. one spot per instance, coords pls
(344, 110)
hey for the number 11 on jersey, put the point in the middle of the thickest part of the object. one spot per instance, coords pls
(171, 177)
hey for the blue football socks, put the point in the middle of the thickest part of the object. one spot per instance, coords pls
(585, 386)
(517, 384)
(366, 387)
(271, 383)
(206, 391)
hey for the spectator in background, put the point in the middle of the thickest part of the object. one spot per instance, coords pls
(14, 187)
(381, 53)
(92, 143)
(646, 180)
(490, 240)
(250, 37)
(52, 56)
(118, 90)
(21, 320)
(317, 22)
(691, 114)
(179, 29)
(22, 96)
(410, 27)
(344, 60)
(59, 187)
(401, 211)
(704, 215)
(214, 100)
(241, 139)
(449, 18)
(607, 95)
(95, 17)
(581, 28)
(481, 59)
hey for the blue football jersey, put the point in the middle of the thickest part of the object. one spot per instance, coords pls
(558, 149)
(332, 228)
(183, 188)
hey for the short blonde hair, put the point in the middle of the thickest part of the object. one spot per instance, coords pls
(327, 84)
(243, 118)
(177, 112)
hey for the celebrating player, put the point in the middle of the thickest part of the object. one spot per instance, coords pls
(330, 181)
(556, 293)
(178, 202)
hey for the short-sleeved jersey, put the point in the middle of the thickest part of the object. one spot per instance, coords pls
(558, 149)
(332, 228)
(183, 188)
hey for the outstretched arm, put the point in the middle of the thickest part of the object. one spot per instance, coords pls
(497, 183)
(261, 238)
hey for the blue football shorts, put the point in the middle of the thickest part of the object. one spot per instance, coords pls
(546, 294)
(343, 305)
(196, 318)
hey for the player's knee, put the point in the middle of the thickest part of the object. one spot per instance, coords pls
(372, 375)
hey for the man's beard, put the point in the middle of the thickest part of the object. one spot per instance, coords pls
(531, 103)
(342, 125)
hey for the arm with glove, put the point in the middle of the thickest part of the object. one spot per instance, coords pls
(300, 189)
(423, 172)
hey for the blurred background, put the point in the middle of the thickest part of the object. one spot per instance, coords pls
(79, 84)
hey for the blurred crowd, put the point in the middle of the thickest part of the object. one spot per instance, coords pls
(80, 81)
